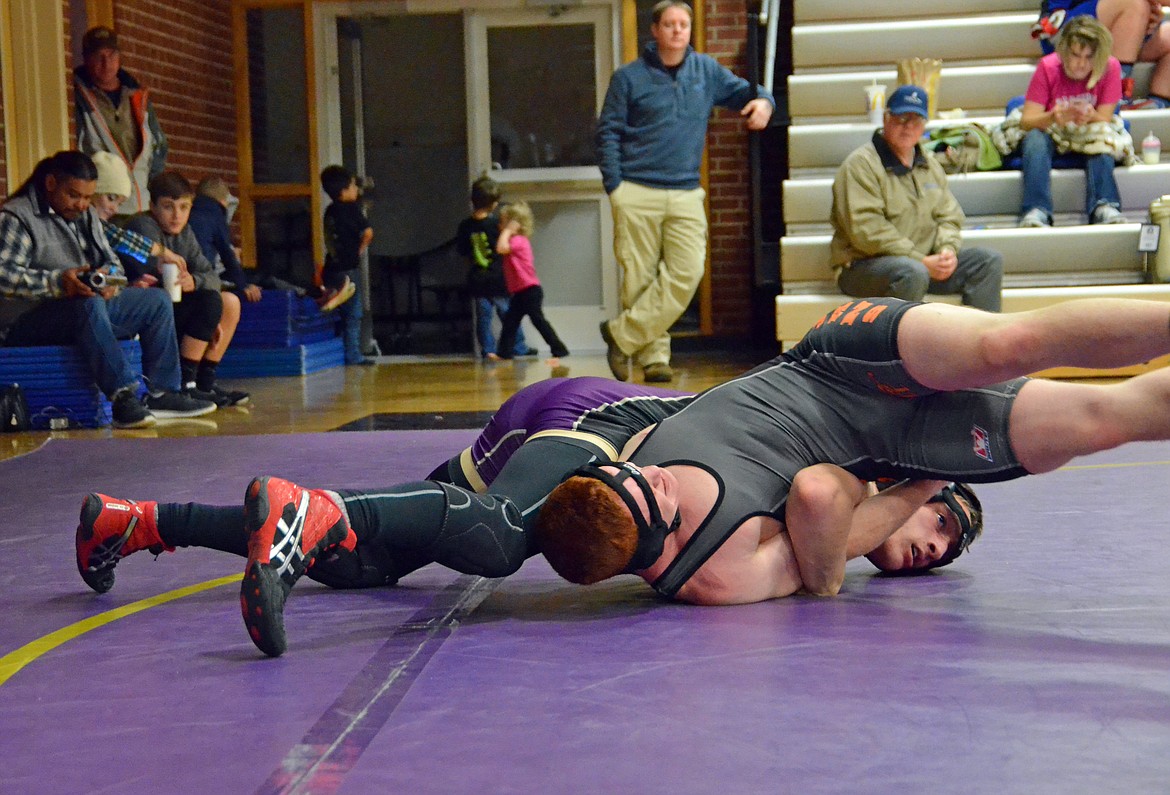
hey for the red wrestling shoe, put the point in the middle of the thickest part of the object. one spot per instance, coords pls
(109, 530)
(288, 527)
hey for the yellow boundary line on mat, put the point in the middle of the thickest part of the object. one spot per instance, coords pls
(12, 662)
(1119, 465)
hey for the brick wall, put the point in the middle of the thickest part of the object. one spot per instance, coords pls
(181, 51)
(728, 185)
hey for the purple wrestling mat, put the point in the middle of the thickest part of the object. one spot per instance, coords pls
(1039, 662)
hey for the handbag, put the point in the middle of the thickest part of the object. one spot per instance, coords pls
(13, 409)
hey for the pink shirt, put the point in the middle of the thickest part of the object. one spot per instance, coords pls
(1050, 83)
(519, 271)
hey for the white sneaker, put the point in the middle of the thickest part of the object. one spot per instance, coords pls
(1107, 214)
(1034, 219)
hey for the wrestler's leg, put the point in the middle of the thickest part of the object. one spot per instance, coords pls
(417, 523)
(450, 472)
(537, 468)
(192, 524)
(1052, 422)
(222, 527)
(950, 347)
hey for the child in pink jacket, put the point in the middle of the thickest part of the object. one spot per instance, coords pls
(527, 297)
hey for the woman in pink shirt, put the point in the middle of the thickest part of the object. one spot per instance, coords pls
(1077, 85)
(527, 297)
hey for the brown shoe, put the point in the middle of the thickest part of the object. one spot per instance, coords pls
(658, 373)
(619, 363)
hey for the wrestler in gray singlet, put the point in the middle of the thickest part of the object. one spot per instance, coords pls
(840, 397)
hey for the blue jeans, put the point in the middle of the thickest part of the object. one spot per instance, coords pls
(483, 325)
(96, 325)
(1037, 151)
(978, 277)
(351, 314)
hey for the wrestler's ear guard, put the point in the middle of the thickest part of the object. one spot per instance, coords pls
(652, 534)
(970, 526)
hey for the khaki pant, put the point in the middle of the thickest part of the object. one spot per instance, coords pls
(660, 240)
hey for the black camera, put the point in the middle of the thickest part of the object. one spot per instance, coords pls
(98, 280)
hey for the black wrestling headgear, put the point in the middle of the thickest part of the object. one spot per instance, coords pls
(969, 526)
(652, 534)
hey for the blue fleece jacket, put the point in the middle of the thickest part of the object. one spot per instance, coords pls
(209, 223)
(653, 125)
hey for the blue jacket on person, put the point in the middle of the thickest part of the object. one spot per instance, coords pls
(653, 124)
(209, 223)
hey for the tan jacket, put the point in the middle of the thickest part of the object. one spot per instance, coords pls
(882, 208)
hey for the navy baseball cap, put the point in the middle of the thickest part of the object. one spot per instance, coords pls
(908, 99)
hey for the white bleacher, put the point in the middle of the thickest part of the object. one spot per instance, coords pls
(807, 201)
(824, 146)
(975, 37)
(988, 56)
(810, 11)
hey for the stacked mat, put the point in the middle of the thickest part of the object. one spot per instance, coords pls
(282, 334)
(59, 386)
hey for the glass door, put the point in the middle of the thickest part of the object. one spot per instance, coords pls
(536, 79)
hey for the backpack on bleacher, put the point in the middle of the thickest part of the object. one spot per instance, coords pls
(960, 148)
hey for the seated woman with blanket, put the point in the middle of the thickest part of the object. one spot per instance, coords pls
(1073, 92)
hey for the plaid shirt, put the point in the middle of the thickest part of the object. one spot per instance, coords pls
(16, 277)
(19, 279)
(128, 243)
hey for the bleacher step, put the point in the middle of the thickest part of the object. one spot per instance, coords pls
(1104, 249)
(867, 42)
(988, 193)
(825, 145)
(810, 11)
(970, 88)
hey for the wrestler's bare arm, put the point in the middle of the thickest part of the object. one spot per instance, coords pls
(819, 516)
(832, 517)
(759, 562)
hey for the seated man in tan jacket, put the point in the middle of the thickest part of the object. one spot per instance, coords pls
(896, 225)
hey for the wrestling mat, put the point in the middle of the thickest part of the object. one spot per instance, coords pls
(1039, 662)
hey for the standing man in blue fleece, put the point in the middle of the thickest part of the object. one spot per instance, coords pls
(650, 139)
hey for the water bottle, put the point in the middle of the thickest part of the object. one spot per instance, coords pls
(1151, 149)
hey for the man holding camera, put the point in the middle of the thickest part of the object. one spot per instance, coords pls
(52, 247)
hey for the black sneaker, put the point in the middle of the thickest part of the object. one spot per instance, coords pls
(129, 412)
(229, 397)
(222, 398)
(196, 393)
(174, 405)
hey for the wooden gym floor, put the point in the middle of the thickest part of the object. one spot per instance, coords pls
(418, 392)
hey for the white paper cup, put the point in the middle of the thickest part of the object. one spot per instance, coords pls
(875, 101)
(170, 278)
